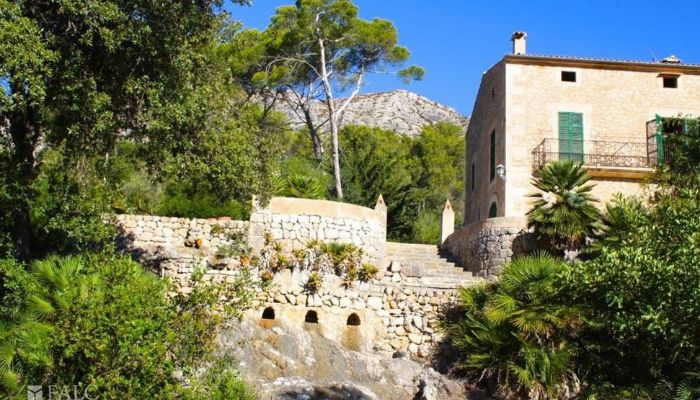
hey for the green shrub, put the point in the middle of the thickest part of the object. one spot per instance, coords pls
(237, 246)
(301, 186)
(513, 335)
(113, 325)
(368, 272)
(643, 290)
(199, 205)
(426, 228)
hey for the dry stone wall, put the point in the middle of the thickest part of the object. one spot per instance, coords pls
(395, 311)
(393, 315)
(484, 247)
(294, 222)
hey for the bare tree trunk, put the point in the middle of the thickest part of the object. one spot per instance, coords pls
(336, 159)
(332, 116)
(313, 132)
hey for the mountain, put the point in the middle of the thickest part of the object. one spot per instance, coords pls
(399, 110)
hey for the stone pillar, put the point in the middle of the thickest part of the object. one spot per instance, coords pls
(380, 207)
(447, 223)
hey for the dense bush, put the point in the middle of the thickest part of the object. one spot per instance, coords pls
(643, 292)
(109, 323)
(514, 336)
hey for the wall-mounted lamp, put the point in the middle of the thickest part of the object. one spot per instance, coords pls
(501, 171)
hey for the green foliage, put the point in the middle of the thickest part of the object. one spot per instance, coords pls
(218, 382)
(514, 335)
(69, 205)
(682, 148)
(563, 213)
(415, 175)
(109, 322)
(178, 202)
(352, 45)
(439, 153)
(301, 186)
(426, 228)
(314, 282)
(24, 338)
(367, 272)
(81, 80)
(621, 215)
(644, 292)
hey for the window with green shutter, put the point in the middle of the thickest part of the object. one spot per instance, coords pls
(492, 169)
(571, 136)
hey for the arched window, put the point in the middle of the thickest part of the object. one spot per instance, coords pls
(493, 210)
(311, 317)
(354, 320)
(268, 313)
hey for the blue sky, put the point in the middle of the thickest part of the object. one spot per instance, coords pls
(457, 40)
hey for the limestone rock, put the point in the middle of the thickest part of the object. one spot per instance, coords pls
(399, 110)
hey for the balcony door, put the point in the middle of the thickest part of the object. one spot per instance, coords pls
(571, 136)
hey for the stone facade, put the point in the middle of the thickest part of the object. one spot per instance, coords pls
(520, 99)
(484, 246)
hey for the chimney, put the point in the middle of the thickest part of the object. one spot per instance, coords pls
(671, 60)
(518, 40)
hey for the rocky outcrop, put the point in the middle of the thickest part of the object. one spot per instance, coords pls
(399, 110)
(290, 362)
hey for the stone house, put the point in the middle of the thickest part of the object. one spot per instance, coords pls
(612, 115)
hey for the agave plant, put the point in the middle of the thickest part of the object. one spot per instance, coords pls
(513, 336)
(563, 213)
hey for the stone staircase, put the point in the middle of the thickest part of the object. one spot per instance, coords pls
(428, 265)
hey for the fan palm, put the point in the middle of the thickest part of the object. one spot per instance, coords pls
(563, 213)
(513, 334)
(24, 335)
(301, 186)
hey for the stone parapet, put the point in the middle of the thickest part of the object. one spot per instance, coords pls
(483, 247)
(294, 222)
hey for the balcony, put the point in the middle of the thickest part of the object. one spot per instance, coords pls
(601, 158)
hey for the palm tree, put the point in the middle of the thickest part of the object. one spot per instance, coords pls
(512, 335)
(563, 213)
(24, 335)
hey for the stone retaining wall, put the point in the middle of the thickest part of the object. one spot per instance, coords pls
(483, 247)
(396, 311)
(152, 237)
(294, 222)
(394, 316)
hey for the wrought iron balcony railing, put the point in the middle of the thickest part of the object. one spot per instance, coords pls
(594, 153)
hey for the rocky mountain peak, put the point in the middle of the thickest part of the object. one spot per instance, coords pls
(400, 110)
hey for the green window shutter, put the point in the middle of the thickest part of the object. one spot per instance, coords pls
(660, 138)
(492, 169)
(571, 136)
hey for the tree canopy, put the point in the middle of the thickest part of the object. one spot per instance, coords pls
(314, 51)
(81, 77)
